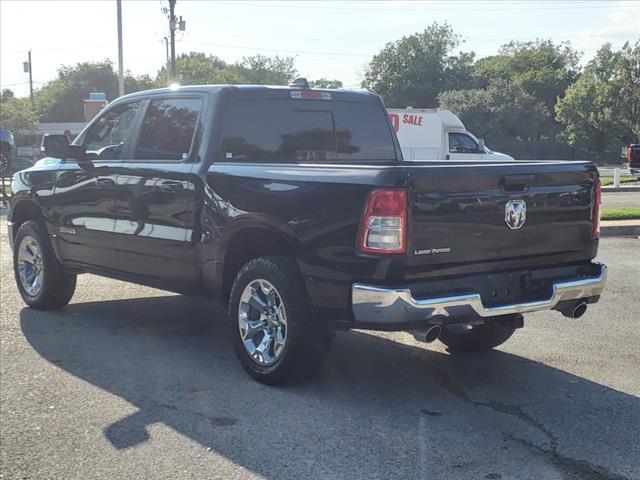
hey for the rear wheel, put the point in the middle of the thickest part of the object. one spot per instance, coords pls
(273, 330)
(41, 280)
(475, 338)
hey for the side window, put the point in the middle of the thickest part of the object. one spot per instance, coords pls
(168, 129)
(462, 143)
(108, 138)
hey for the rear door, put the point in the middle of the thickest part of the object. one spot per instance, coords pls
(85, 193)
(155, 194)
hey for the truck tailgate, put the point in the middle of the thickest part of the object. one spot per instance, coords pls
(457, 215)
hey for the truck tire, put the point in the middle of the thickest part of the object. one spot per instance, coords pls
(273, 329)
(479, 338)
(41, 279)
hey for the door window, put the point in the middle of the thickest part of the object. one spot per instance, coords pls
(168, 129)
(108, 138)
(462, 143)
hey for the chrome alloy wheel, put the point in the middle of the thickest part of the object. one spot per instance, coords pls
(30, 266)
(262, 321)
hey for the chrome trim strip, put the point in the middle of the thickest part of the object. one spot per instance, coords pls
(379, 305)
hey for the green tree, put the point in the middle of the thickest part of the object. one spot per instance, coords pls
(602, 109)
(541, 68)
(325, 83)
(62, 99)
(500, 113)
(197, 68)
(262, 70)
(17, 115)
(6, 94)
(416, 69)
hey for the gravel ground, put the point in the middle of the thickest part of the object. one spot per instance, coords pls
(130, 382)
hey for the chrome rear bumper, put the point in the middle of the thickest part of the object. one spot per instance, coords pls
(388, 306)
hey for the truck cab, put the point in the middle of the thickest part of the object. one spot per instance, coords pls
(428, 134)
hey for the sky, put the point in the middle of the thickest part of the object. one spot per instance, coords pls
(328, 39)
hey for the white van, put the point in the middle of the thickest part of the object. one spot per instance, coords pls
(426, 134)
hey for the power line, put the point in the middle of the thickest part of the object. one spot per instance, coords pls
(306, 52)
(343, 40)
(499, 7)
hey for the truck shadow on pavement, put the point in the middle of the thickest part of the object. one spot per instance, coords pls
(379, 409)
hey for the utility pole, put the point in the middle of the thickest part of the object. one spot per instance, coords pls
(172, 34)
(28, 68)
(120, 60)
(166, 48)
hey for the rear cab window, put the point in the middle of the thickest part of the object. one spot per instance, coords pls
(293, 130)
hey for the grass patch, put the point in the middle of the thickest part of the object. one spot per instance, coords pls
(606, 181)
(625, 213)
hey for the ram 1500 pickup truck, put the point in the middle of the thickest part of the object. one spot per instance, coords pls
(295, 207)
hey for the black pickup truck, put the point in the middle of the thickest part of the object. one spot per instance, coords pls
(294, 206)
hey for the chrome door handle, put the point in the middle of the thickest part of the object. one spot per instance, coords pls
(170, 186)
(105, 182)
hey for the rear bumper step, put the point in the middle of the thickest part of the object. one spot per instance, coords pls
(377, 305)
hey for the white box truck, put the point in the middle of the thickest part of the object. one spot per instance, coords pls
(427, 134)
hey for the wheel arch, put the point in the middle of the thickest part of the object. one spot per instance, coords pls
(23, 210)
(249, 243)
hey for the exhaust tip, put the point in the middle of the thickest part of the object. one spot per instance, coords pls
(579, 310)
(428, 334)
(576, 311)
(433, 333)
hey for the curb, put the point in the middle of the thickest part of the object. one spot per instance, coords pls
(620, 230)
(620, 189)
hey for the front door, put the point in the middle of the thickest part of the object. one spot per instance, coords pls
(85, 193)
(156, 228)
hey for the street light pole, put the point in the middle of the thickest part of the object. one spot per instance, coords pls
(120, 60)
(172, 28)
(30, 79)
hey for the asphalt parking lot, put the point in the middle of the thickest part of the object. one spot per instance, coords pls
(130, 382)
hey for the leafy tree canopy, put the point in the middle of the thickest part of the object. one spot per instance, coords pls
(602, 109)
(414, 70)
(325, 83)
(502, 111)
(541, 68)
(17, 115)
(197, 68)
(62, 99)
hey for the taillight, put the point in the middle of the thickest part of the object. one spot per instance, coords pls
(597, 200)
(384, 225)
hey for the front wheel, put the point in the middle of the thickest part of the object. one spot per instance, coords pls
(273, 330)
(41, 280)
(475, 338)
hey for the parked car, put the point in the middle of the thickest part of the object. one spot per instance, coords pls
(7, 151)
(295, 207)
(427, 134)
(633, 157)
(20, 163)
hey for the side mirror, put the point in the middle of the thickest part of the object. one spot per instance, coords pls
(57, 146)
